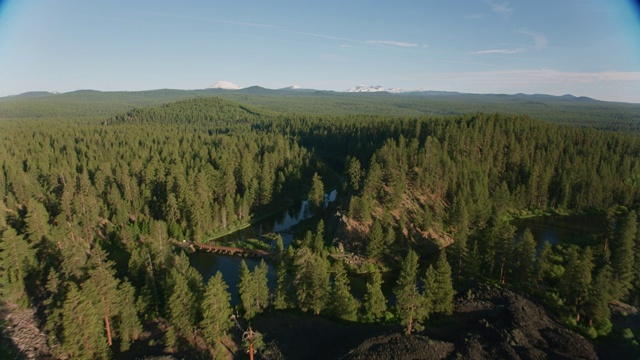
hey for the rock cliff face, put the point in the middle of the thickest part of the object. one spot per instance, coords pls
(488, 323)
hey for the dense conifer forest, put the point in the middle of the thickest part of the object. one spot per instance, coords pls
(94, 207)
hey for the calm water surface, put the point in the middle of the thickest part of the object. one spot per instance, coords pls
(208, 264)
(552, 229)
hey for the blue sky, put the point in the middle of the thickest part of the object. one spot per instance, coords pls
(582, 47)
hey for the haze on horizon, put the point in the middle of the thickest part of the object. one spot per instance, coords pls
(585, 48)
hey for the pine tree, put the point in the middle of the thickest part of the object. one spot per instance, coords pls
(354, 172)
(216, 310)
(375, 246)
(129, 327)
(281, 296)
(261, 285)
(17, 260)
(597, 305)
(375, 304)
(83, 334)
(182, 306)
(344, 305)
(316, 194)
(246, 290)
(622, 256)
(253, 289)
(409, 302)
(430, 292)
(442, 290)
(102, 287)
(524, 258)
(318, 241)
(311, 281)
(37, 222)
(577, 278)
(543, 264)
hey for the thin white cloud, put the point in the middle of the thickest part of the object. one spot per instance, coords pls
(392, 43)
(610, 85)
(499, 51)
(501, 9)
(540, 40)
(217, 20)
(543, 76)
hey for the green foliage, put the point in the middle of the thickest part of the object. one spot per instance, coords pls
(134, 180)
(543, 264)
(17, 260)
(343, 304)
(253, 289)
(441, 298)
(376, 244)
(316, 193)
(375, 304)
(182, 308)
(216, 310)
(410, 307)
(576, 279)
(83, 336)
(183, 305)
(311, 281)
(318, 240)
(524, 260)
(129, 327)
(597, 304)
(622, 256)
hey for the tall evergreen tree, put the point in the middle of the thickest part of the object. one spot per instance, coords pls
(253, 289)
(543, 263)
(216, 310)
(37, 221)
(410, 307)
(430, 292)
(311, 280)
(524, 257)
(83, 334)
(597, 305)
(129, 328)
(316, 193)
(442, 291)
(375, 303)
(622, 256)
(17, 260)
(281, 295)
(576, 279)
(343, 304)
(375, 246)
(318, 241)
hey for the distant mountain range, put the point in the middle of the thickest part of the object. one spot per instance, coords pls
(224, 86)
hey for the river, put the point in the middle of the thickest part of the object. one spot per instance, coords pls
(574, 229)
(580, 229)
(208, 264)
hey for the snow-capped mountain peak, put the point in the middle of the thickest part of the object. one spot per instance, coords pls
(225, 85)
(378, 88)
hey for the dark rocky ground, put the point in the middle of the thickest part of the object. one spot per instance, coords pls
(21, 337)
(490, 323)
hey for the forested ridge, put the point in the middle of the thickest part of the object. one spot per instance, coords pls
(567, 109)
(91, 211)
